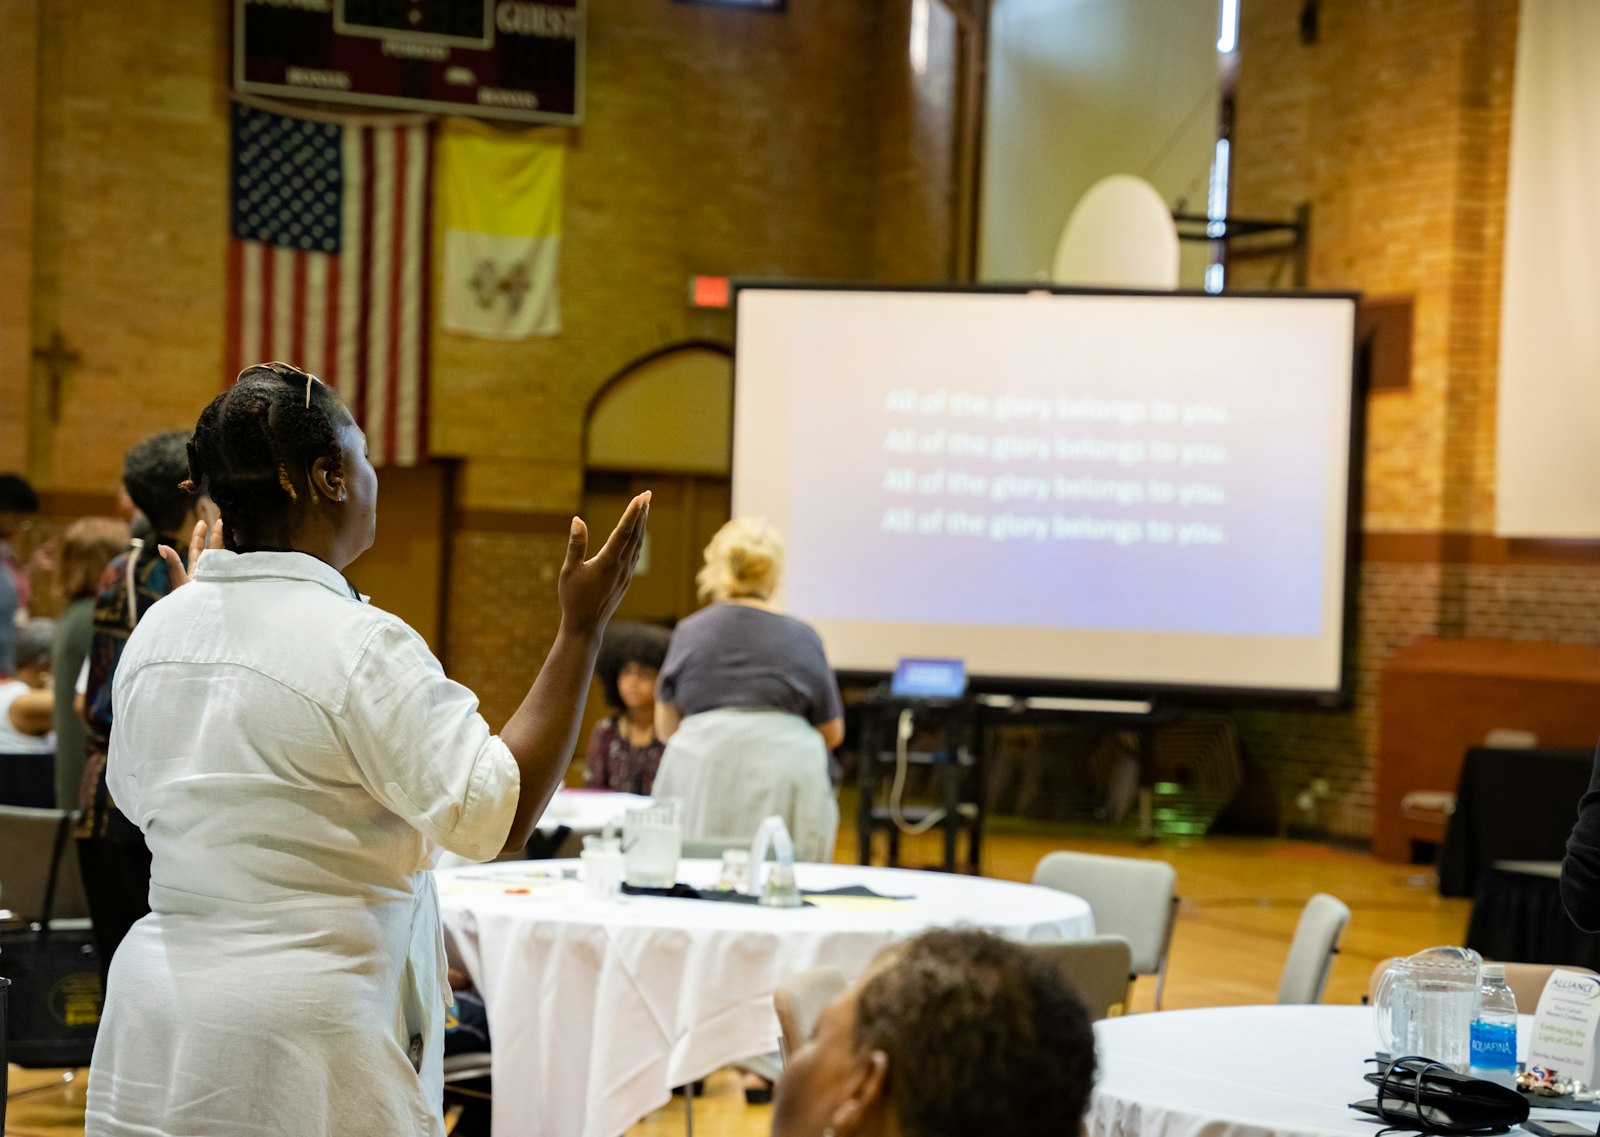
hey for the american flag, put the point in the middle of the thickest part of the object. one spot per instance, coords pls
(328, 266)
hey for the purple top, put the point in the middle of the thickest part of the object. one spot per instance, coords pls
(733, 655)
(614, 763)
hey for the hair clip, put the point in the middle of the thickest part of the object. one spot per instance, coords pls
(290, 371)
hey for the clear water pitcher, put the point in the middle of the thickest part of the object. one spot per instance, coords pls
(1425, 1002)
(652, 842)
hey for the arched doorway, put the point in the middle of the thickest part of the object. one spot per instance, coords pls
(664, 423)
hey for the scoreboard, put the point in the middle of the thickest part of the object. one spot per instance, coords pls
(504, 59)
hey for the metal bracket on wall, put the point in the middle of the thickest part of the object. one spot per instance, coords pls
(1198, 227)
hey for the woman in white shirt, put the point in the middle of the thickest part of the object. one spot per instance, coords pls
(297, 760)
(27, 706)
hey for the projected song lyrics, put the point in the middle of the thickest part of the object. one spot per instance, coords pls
(940, 477)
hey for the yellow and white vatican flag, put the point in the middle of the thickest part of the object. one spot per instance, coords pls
(500, 211)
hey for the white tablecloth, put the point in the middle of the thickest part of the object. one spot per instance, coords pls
(588, 811)
(1241, 1072)
(582, 811)
(598, 1009)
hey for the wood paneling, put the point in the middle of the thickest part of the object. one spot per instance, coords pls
(1439, 697)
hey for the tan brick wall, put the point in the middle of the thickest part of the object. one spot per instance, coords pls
(131, 224)
(1398, 603)
(1395, 127)
(717, 141)
(18, 86)
(503, 614)
(798, 145)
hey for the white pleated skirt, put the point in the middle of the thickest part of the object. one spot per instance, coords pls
(732, 768)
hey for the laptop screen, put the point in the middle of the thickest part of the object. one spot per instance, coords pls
(929, 679)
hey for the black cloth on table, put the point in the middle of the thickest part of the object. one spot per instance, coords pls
(28, 780)
(1511, 805)
(1519, 916)
(681, 891)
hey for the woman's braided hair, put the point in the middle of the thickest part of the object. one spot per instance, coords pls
(255, 444)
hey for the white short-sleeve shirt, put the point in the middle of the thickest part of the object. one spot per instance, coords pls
(12, 740)
(296, 760)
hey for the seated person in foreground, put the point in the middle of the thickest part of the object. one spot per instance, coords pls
(624, 751)
(748, 705)
(956, 1033)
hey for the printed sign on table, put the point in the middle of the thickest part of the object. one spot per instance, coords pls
(1565, 1024)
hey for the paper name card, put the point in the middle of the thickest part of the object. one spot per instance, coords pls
(1565, 1025)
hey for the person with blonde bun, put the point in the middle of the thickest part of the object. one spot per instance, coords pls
(748, 704)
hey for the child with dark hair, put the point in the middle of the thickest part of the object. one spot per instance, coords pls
(623, 749)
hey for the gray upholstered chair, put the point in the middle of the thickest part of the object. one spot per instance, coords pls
(799, 1001)
(1130, 897)
(1098, 969)
(30, 840)
(1316, 942)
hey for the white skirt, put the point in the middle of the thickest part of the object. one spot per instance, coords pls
(735, 767)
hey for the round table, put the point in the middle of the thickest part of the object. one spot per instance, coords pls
(571, 811)
(597, 1009)
(589, 811)
(581, 813)
(1241, 1072)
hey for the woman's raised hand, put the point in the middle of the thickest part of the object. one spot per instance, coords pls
(204, 537)
(590, 590)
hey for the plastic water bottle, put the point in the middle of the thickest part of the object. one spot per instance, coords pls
(1494, 1029)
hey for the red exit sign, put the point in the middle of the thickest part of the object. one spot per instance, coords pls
(708, 291)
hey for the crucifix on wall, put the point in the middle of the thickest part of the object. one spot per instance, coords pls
(57, 360)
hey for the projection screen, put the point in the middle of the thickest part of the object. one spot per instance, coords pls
(1099, 490)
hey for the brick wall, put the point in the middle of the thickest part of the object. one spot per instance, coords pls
(1395, 126)
(18, 88)
(722, 141)
(717, 141)
(130, 225)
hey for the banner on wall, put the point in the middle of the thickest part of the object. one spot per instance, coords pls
(500, 210)
(328, 265)
(1547, 452)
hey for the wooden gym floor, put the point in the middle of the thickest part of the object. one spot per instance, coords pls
(1240, 900)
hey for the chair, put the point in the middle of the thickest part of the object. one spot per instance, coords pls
(461, 1072)
(712, 848)
(1098, 969)
(799, 1001)
(27, 838)
(1316, 942)
(1526, 980)
(44, 895)
(1129, 896)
